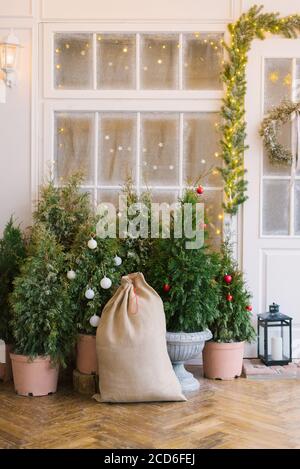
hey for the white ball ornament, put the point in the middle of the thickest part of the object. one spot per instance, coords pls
(71, 274)
(94, 320)
(117, 261)
(89, 294)
(106, 283)
(92, 243)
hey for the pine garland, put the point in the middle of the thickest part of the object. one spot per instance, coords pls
(251, 25)
(280, 115)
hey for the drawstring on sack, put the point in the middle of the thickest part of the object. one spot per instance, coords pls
(135, 299)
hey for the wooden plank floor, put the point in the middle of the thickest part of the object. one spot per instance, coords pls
(233, 414)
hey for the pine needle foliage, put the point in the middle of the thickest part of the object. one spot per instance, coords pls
(233, 323)
(136, 251)
(12, 254)
(42, 322)
(90, 266)
(191, 303)
(64, 209)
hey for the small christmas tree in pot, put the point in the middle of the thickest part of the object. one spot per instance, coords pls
(42, 324)
(12, 254)
(223, 356)
(185, 280)
(135, 250)
(94, 274)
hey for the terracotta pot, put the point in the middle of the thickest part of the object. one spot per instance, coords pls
(223, 360)
(34, 377)
(5, 368)
(86, 358)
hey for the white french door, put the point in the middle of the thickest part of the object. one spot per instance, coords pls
(271, 216)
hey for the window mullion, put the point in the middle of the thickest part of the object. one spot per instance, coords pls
(94, 61)
(180, 61)
(293, 169)
(137, 61)
(181, 184)
(138, 152)
(97, 156)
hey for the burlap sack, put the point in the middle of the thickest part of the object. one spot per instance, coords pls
(133, 361)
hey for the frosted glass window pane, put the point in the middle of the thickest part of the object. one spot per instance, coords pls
(214, 215)
(83, 190)
(284, 137)
(159, 149)
(276, 199)
(278, 81)
(73, 61)
(117, 148)
(201, 148)
(202, 61)
(116, 61)
(109, 196)
(297, 208)
(168, 197)
(297, 81)
(74, 144)
(159, 61)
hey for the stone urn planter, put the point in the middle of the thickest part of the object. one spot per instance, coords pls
(34, 377)
(183, 346)
(86, 356)
(223, 360)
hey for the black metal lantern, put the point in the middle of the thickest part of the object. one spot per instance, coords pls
(274, 340)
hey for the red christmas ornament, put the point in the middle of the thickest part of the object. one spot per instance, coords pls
(200, 190)
(229, 297)
(166, 287)
(249, 308)
(227, 279)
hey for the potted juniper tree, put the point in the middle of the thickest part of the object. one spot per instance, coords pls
(185, 280)
(135, 249)
(94, 274)
(64, 210)
(42, 323)
(12, 254)
(223, 355)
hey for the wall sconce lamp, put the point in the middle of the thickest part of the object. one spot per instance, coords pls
(9, 51)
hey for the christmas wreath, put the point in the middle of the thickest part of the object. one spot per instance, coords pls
(277, 152)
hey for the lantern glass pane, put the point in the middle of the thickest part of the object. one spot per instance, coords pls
(286, 342)
(274, 343)
(261, 350)
(10, 57)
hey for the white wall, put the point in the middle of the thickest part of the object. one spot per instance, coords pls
(17, 154)
(15, 143)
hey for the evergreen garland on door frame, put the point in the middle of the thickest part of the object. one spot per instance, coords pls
(251, 25)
